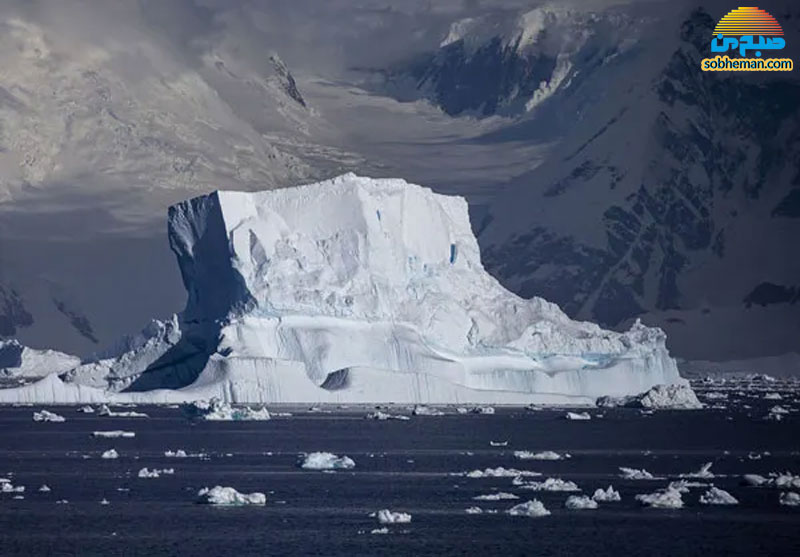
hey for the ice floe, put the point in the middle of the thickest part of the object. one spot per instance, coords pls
(7, 487)
(219, 495)
(110, 454)
(326, 461)
(580, 502)
(473, 510)
(542, 455)
(608, 495)
(675, 396)
(781, 480)
(717, 496)
(385, 516)
(47, 416)
(533, 508)
(114, 434)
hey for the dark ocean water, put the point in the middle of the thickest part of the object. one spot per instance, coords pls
(404, 466)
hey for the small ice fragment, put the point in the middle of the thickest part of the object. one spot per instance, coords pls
(219, 495)
(543, 455)
(498, 443)
(421, 410)
(383, 530)
(382, 416)
(217, 410)
(385, 516)
(495, 496)
(86, 409)
(580, 502)
(500, 472)
(790, 499)
(104, 501)
(636, 474)
(717, 496)
(473, 510)
(704, 472)
(110, 453)
(607, 496)
(482, 410)
(551, 484)
(533, 508)
(155, 472)
(326, 461)
(45, 488)
(113, 434)
(46, 416)
(665, 499)
(578, 416)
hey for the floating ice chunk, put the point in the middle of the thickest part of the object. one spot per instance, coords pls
(790, 499)
(62, 502)
(495, 496)
(46, 416)
(106, 411)
(462, 410)
(378, 531)
(421, 410)
(104, 501)
(552, 484)
(717, 496)
(180, 453)
(501, 472)
(86, 409)
(715, 395)
(704, 472)
(636, 474)
(755, 480)
(45, 488)
(664, 499)
(217, 410)
(381, 416)
(773, 396)
(385, 516)
(8, 487)
(785, 480)
(608, 495)
(155, 472)
(578, 416)
(498, 443)
(684, 485)
(113, 434)
(219, 495)
(110, 453)
(326, 461)
(580, 502)
(473, 510)
(543, 455)
(482, 410)
(676, 396)
(533, 508)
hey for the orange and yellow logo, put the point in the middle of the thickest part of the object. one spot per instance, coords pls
(749, 32)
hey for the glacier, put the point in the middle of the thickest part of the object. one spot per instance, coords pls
(353, 290)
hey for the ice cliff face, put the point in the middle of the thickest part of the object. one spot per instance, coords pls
(360, 290)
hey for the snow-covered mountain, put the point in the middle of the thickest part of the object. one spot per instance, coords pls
(354, 290)
(667, 193)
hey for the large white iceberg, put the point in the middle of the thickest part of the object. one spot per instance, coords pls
(353, 290)
(219, 495)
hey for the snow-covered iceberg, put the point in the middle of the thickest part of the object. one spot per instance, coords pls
(219, 495)
(353, 290)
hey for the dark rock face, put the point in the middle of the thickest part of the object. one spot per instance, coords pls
(719, 146)
(13, 314)
(78, 320)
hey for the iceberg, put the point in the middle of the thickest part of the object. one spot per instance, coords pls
(551, 484)
(636, 474)
(326, 461)
(495, 496)
(543, 455)
(154, 473)
(501, 472)
(219, 495)
(110, 454)
(114, 434)
(383, 416)
(580, 416)
(790, 499)
(217, 410)
(352, 290)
